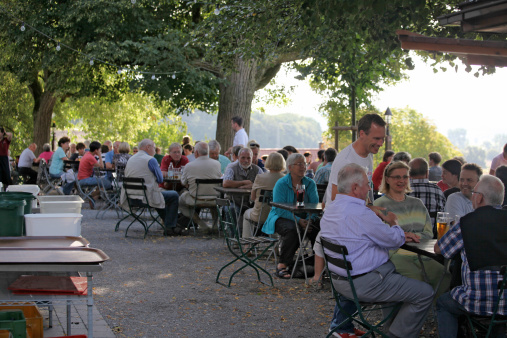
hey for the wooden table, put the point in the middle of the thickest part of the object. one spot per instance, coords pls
(230, 192)
(172, 181)
(309, 208)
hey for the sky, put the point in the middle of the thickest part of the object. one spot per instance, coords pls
(450, 99)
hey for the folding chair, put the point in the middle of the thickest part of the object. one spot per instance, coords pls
(45, 181)
(203, 201)
(244, 245)
(85, 191)
(110, 196)
(265, 197)
(138, 203)
(487, 323)
(321, 190)
(362, 307)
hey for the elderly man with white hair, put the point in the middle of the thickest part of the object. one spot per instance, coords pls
(202, 168)
(26, 161)
(242, 173)
(177, 159)
(214, 153)
(479, 238)
(144, 165)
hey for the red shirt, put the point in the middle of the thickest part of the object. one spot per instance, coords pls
(378, 174)
(442, 185)
(4, 147)
(168, 159)
(86, 166)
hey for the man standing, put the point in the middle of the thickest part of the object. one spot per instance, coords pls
(372, 131)
(347, 221)
(460, 203)
(26, 160)
(435, 173)
(499, 160)
(214, 153)
(202, 168)
(429, 193)
(5, 173)
(322, 175)
(144, 165)
(479, 238)
(241, 137)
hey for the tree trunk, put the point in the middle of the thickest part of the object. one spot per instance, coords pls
(42, 112)
(236, 100)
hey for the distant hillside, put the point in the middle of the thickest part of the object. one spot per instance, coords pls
(271, 131)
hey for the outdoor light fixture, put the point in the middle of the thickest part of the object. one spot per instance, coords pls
(23, 27)
(388, 115)
(58, 47)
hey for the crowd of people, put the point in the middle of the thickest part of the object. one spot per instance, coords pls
(371, 211)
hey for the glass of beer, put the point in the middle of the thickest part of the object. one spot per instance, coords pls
(300, 195)
(443, 220)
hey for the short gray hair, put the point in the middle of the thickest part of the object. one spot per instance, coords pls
(242, 150)
(492, 189)
(293, 158)
(144, 143)
(214, 145)
(175, 145)
(46, 147)
(201, 148)
(348, 175)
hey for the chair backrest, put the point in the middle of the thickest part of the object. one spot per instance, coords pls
(204, 182)
(265, 198)
(227, 223)
(338, 249)
(321, 190)
(135, 191)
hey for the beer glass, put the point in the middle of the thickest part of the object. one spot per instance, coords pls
(443, 220)
(300, 195)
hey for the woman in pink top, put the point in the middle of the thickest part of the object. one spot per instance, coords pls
(46, 152)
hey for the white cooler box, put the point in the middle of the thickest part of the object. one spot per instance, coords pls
(53, 224)
(70, 204)
(32, 188)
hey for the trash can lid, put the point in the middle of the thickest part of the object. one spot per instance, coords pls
(12, 204)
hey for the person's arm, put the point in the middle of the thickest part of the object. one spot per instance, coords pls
(246, 184)
(155, 169)
(109, 160)
(453, 206)
(8, 136)
(451, 243)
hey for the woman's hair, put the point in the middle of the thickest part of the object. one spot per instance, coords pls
(46, 147)
(275, 162)
(63, 140)
(384, 186)
(387, 154)
(293, 158)
(124, 148)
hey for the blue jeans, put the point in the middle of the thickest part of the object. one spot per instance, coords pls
(171, 199)
(92, 181)
(67, 187)
(448, 311)
(339, 317)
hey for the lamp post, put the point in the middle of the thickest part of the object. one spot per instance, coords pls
(53, 128)
(388, 116)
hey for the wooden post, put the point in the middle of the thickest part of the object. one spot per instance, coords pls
(336, 136)
(353, 109)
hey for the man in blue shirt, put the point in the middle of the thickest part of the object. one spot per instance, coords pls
(322, 175)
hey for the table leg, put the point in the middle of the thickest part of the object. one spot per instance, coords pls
(89, 276)
(300, 251)
(69, 317)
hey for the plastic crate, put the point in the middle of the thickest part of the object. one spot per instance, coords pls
(32, 316)
(14, 320)
(53, 224)
(60, 204)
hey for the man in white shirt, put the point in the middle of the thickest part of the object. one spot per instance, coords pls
(25, 163)
(241, 137)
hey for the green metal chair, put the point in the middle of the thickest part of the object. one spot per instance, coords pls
(487, 323)
(245, 247)
(203, 201)
(138, 203)
(363, 308)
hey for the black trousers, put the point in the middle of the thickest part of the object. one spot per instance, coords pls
(5, 173)
(290, 241)
(32, 174)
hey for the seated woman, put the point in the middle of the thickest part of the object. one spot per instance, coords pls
(120, 159)
(412, 217)
(56, 167)
(46, 152)
(282, 221)
(275, 163)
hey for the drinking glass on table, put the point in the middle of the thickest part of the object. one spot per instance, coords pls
(300, 195)
(443, 220)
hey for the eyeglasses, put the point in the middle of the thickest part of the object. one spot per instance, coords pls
(300, 164)
(477, 192)
(256, 145)
(397, 178)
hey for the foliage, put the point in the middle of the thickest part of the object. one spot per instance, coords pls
(15, 112)
(271, 131)
(477, 155)
(458, 137)
(130, 119)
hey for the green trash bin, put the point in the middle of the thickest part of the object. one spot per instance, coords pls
(28, 197)
(12, 218)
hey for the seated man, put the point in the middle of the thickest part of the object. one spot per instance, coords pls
(214, 153)
(241, 174)
(322, 175)
(348, 221)
(85, 175)
(479, 238)
(460, 203)
(177, 159)
(203, 168)
(144, 165)
(256, 148)
(26, 160)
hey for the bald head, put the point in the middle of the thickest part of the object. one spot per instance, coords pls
(32, 147)
(418, 168)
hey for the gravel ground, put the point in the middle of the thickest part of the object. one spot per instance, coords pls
(165, 287)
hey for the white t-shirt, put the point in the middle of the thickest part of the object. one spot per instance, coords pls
(344, 157)
(26, 159)
(498, 161)
(240, 138)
